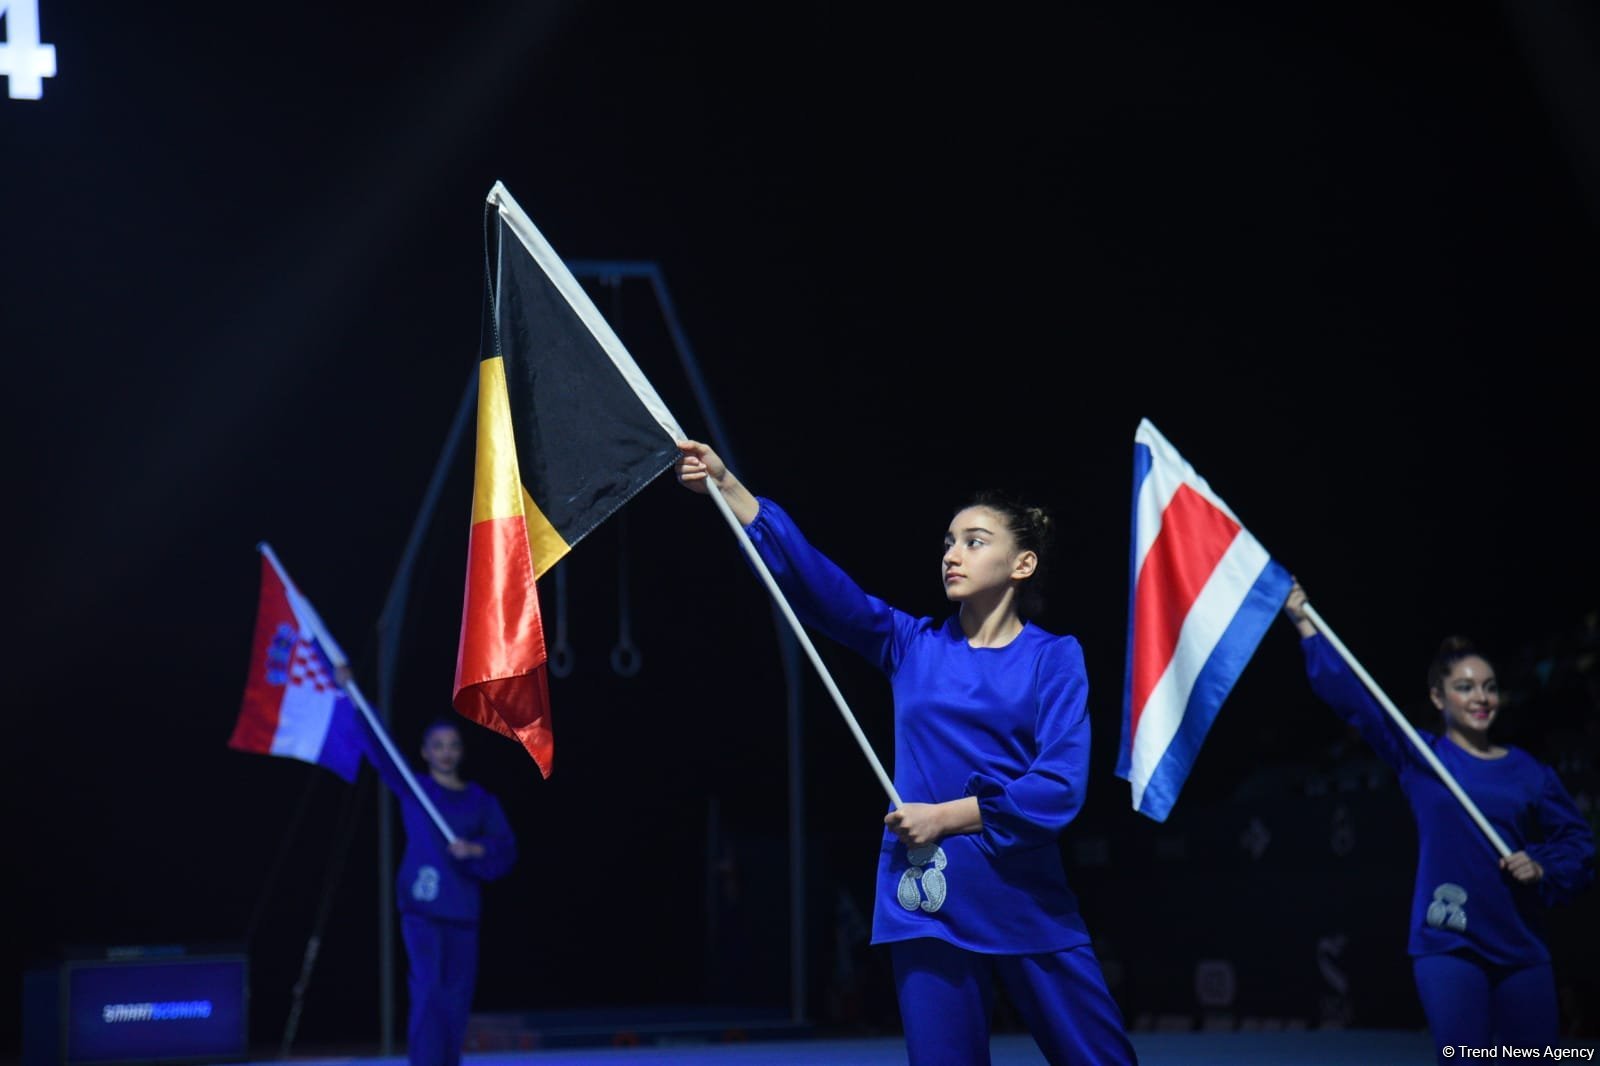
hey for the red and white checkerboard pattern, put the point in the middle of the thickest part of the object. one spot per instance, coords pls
(308, 668)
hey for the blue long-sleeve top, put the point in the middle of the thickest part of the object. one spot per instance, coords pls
(1462, 900)
(1007, 725)
(433, 883)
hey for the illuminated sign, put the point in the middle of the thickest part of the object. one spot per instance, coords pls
(185, 1007)
(24, 62)
(155, 1012)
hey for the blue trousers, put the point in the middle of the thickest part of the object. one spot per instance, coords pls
(1471, 1002)
(947, 1000)
(443, 959)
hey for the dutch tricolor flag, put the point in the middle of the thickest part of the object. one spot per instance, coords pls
(1202, 593)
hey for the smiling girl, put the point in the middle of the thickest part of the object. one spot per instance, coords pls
(1477, 940)
(992, 743)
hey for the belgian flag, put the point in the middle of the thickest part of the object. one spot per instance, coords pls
(569, 430)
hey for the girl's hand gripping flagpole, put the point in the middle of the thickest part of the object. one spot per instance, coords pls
(308, 617)
(805, 640)
(1406, 728)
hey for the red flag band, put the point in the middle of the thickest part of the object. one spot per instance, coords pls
(500, 665)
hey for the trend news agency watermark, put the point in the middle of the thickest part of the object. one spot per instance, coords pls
(1511, 1051)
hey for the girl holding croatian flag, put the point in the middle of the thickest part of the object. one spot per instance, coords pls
(440, 894)
(1477, 940)
(992, 741)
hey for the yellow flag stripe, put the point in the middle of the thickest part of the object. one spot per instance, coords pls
(496, 479)
(497, 490)
(543, 540)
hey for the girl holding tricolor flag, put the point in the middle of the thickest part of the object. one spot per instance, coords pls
(992, 741)
(439, 887)
(1477, 941)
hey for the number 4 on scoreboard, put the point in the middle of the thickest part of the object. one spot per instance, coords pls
(24, 62)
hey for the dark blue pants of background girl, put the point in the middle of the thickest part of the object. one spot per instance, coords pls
(1471, 1003)
(443, 957)
(947, 1000)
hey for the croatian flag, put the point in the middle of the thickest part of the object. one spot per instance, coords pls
(1202, 593)
(293, 705)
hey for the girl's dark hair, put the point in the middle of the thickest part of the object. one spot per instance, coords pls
(438, 723)
(1033, 528)
(1451, 651)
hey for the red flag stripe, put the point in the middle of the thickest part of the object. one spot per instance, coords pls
(502, 640)
(1194, 536)
(517, 707)
(257, 725)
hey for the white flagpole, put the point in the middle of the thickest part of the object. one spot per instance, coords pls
(1406, 728)
(360, 701)
(307, 614)
(805, 640)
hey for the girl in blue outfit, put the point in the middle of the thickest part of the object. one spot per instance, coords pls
(1477, 939)
(992, 740)
(438, 893)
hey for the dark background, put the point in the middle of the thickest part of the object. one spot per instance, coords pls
(1342, 254)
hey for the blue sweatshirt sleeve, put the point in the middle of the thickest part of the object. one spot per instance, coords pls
(499, 844)
(1566, 851)
(822, 595)
(1033, 809)
(420, 827)
(1337, 685)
